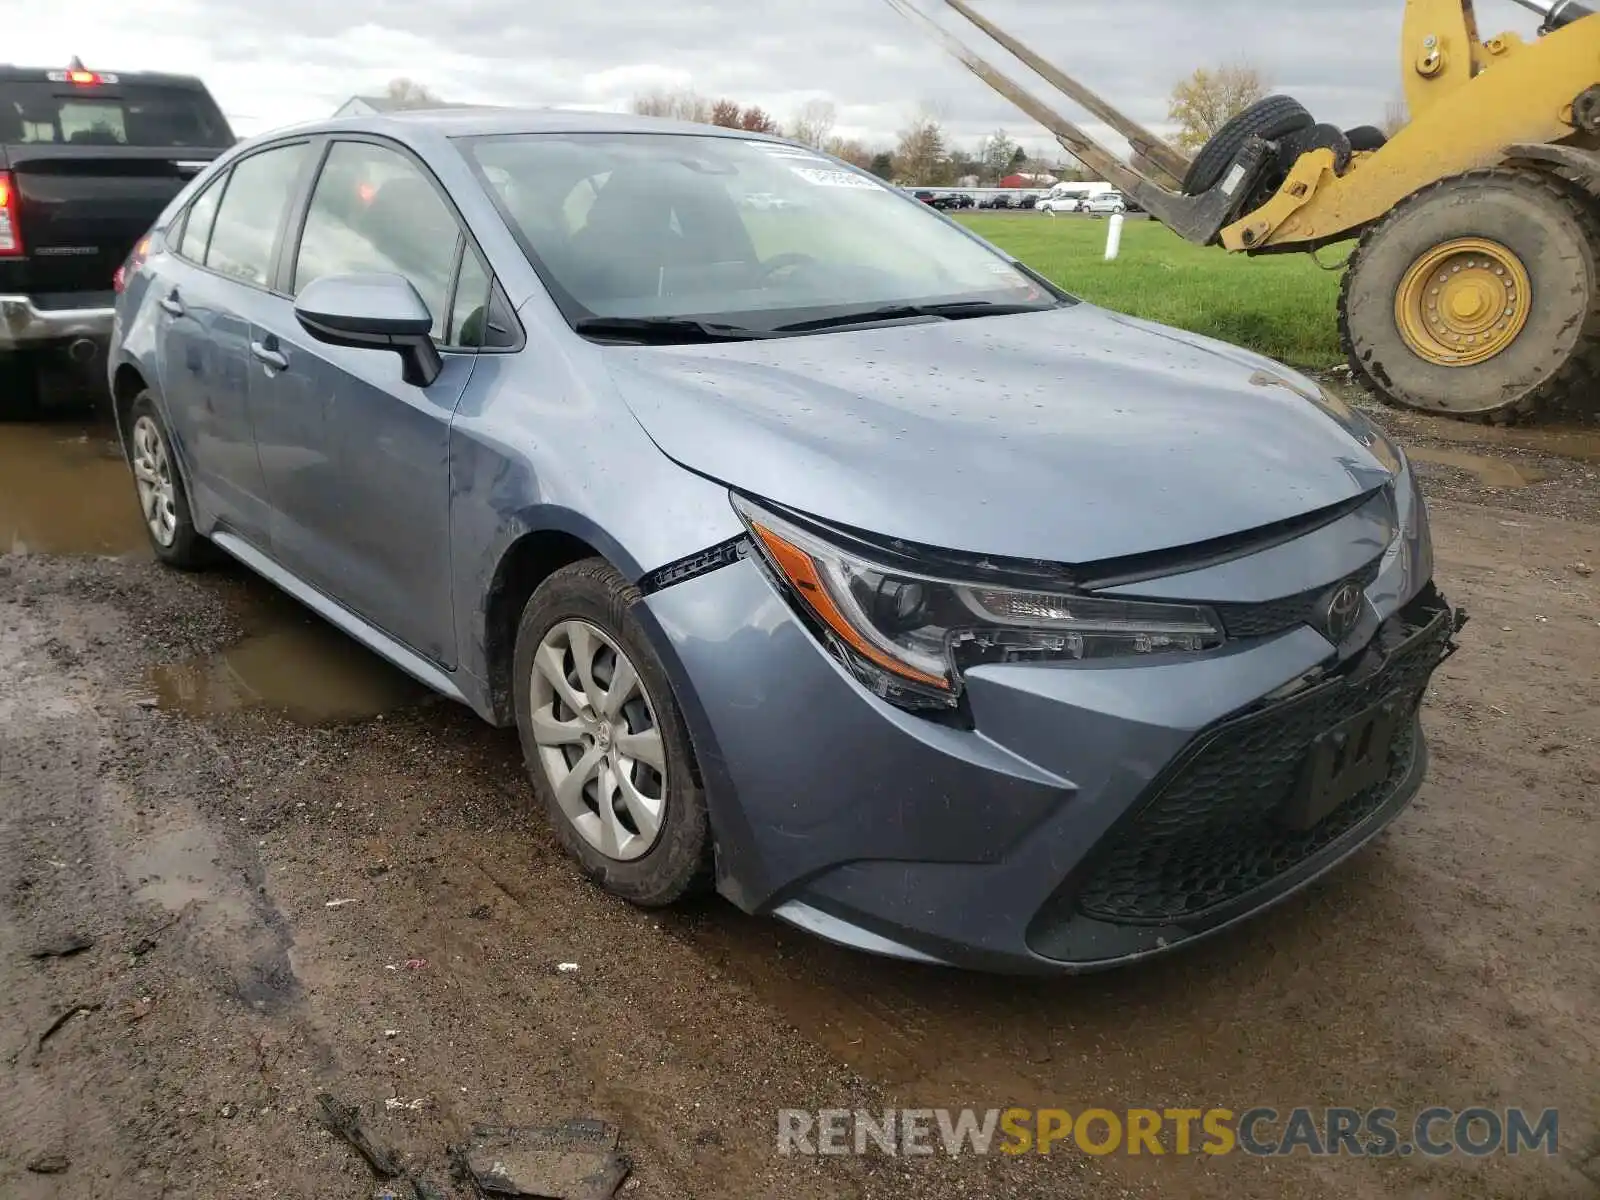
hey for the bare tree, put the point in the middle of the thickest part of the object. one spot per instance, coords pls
(755, 120)
(726, 114)
(408, 93)
(814, 123)
(682, 105)
(1208, 99)
(851, 150)
(922, 156)
(1395, 117)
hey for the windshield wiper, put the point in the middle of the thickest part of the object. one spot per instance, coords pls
(952, 310)
(663, 329)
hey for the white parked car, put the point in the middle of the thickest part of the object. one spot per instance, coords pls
(1105, 203)
(1059, 204)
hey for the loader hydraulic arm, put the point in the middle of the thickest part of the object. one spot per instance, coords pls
(1557, 13)
(1196, 218)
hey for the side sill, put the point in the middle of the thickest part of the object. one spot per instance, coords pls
(340, 617)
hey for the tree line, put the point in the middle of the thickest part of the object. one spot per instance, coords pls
(923, 153)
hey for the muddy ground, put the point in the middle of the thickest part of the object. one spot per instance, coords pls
(193, 771)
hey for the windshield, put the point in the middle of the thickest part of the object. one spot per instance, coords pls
(757, 235)
(150, 115)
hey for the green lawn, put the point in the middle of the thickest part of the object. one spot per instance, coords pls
(1282, 306)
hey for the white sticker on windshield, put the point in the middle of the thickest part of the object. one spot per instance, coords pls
(780, 150)
(827, 177)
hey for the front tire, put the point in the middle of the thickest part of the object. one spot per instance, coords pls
(163, 499)
(603, 739)
(1439, 315)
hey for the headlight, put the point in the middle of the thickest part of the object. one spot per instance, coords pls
(909, 637)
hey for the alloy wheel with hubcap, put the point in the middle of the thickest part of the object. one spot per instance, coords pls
(598, 740)
(152, 474)
(605, 742)
(163, 500)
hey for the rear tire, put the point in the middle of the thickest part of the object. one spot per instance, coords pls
(1271, 119)
(163, 498)
(605, 744)
(1539, 271)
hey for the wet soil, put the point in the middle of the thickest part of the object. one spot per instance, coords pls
(299, 873)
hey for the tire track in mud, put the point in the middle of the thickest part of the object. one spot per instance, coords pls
(99, 842)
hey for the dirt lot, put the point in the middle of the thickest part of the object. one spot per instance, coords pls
(192, 772)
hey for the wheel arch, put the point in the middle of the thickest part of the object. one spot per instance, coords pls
(127, 381)
(549, 539)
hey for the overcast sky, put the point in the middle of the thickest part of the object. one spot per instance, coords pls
(274, 62)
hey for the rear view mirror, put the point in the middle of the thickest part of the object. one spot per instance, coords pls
(374, 312)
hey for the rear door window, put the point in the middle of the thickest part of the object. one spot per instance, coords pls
(374, 210)
(246, 226)
(123, 114)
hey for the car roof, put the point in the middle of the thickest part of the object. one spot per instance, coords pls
(461, 122)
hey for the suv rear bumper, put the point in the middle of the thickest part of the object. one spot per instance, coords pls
(24, 324)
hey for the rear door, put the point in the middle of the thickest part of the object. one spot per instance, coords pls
(93, 165)
(214, 281)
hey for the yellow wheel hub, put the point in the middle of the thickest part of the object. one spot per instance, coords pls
(1463, 302)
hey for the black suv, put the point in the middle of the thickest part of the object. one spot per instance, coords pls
(88, 159)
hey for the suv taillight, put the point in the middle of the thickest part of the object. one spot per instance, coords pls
(10, 220)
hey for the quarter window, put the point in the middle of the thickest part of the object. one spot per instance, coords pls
(374, 210)
(246, 225)
(202, 213)
(471, 308)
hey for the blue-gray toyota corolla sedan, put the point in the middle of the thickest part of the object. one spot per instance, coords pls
(816, 548)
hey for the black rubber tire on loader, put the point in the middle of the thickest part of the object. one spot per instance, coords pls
(1554, 361)
(1271, 119)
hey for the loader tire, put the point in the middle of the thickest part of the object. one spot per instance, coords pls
(1271, 119)
(1478, 298)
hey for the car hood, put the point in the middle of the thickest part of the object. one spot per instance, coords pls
(1071, 435)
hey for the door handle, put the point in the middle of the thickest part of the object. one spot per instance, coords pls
(271, 357)
(172, 304)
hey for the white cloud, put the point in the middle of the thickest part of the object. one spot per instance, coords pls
(292, 60)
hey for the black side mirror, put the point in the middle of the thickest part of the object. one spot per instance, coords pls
(375, 312)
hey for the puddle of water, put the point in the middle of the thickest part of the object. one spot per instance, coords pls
(305, 669)
(66, 489)
(1491, 472)
(1581, 443)
(176, 869)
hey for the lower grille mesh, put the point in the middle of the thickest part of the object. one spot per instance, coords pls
(1212, 831)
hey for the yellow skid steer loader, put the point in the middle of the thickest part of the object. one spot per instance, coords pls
(1474, 289)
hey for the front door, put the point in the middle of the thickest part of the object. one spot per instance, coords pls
(357, 461)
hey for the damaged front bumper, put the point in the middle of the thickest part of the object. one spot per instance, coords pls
(1080, 815)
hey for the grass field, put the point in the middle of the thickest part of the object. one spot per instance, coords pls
(1281, 306)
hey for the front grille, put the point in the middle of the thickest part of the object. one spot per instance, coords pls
(1212, 830)
(1274, 616)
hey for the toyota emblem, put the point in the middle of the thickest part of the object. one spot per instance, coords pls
(1341, 611)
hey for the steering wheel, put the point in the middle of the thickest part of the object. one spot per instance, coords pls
(780, 262)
